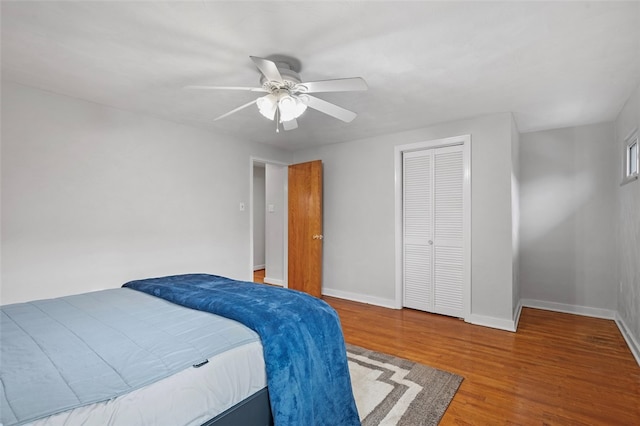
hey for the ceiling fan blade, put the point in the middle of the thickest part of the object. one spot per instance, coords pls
(236, 110)
(267, 68)
(329, 108)
(290, 125)
(249, 89)
(337, 85)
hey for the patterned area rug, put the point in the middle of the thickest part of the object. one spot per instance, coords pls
(395, 391)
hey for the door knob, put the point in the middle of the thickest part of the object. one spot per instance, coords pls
(430, 242)
(317, 237)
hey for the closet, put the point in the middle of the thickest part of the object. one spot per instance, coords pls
(433, 234)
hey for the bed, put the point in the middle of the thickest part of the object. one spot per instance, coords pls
(192, 349)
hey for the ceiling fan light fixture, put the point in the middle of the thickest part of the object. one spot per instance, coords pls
(267, 105)
(287, 107)
(301, 104)
(291, 107)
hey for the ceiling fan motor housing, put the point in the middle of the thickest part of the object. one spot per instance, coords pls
(290, 77)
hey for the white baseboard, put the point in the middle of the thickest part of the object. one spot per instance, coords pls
(499, 323)
(569, 309)
(273, 281)
(516, 317)
(485, 321)
(588, 311)
(258, 267)
(362, 298)
(628, 337)
(509, 325)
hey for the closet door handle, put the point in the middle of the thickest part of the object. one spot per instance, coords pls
(318, 237)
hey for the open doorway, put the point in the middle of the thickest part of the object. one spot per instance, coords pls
(269, 222)
(258, 212)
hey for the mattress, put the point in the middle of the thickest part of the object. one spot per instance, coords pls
(190, 397)
(109, 356)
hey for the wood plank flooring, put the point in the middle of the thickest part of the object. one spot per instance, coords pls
(258, 276)
(558, 369)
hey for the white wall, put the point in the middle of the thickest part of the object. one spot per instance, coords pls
(515, 214)
(258, 216)
(276, 216)
(569, 181)
(628, 243)
(94, 196)
(359, 217)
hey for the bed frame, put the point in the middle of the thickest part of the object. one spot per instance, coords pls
(253, 411)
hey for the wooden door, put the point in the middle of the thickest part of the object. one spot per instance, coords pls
(305, 227)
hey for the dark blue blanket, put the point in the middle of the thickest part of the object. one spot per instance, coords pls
(304, 350)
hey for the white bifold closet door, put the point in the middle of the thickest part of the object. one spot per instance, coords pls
(433, 255)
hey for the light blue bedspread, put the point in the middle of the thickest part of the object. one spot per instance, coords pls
(58, 354)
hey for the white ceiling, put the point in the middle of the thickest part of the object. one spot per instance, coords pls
(553, 64)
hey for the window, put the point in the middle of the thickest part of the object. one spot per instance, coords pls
(631, 158)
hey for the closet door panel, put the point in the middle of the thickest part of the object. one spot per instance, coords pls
(418, 287)
(448, 281)
(433, 211)
(417, 198)
(449, 174)
(448, 260)
(418, 230)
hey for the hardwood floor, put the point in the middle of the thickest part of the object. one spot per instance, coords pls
(558, 369)
(258, 276)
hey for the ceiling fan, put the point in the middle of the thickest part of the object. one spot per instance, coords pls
(287, 97)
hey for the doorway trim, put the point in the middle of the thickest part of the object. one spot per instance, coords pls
(465, 141)
(252, 162)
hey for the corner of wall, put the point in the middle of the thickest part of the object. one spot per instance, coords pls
(516, 315)
(628, 242)
(515, 218)
(492, 322)
(632, 342)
